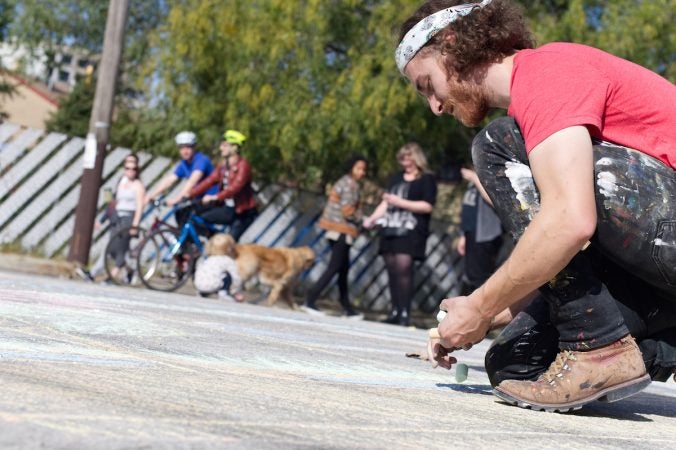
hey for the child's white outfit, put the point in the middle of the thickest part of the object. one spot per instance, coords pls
(212, 273)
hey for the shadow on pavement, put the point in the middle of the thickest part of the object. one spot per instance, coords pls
(633, 408)
(482, 389)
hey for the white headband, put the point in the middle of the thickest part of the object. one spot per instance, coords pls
(423, 31)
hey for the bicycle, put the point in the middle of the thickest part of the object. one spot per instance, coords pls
(168, 256)
(127, 273)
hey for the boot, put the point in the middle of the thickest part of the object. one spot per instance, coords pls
(575, 378)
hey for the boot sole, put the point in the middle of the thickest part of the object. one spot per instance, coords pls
(609, 395)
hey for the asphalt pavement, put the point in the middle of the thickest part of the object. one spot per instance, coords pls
(84, 366)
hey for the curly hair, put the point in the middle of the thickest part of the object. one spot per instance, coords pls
(485, 36)
(352, 160)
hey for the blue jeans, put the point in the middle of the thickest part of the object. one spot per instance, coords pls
(626, 280)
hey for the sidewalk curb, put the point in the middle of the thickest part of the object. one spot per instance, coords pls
(31, 264)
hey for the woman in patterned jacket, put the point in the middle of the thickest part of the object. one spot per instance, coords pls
(340, 219)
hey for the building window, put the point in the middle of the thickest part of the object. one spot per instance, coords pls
(64, 76)
(66, 59)
(82, 63)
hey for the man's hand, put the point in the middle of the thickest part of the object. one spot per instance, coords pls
(209, 198)
(148, 199)
(437, 353)
(463, 325)
(172, 201)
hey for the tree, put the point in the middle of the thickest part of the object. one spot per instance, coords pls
(6, 15)
(309, 81)
(636, 30)
(50, 26)
(72, 117)
(47, 27)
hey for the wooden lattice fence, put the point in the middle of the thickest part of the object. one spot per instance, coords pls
(40, 187)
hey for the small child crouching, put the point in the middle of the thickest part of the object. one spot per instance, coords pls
(218, 273)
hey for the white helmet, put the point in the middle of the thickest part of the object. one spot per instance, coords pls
(186, 138)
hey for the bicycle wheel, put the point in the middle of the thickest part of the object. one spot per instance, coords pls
(163, 262)
(127, 273)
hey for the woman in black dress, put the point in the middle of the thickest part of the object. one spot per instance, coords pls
(404, 218)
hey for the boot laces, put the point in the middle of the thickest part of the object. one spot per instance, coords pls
(559, 365)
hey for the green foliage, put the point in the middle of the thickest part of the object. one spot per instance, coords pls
(51, 25)
(637, 30)
(308, 81)
(6, 16)
(74, 112)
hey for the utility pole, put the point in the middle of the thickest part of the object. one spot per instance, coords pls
(99, 131)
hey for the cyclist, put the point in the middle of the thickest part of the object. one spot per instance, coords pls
(194, 166)
(234, 203)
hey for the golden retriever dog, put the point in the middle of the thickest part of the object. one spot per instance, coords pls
(277, 267)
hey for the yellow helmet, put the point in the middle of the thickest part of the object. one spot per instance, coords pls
(234, 137)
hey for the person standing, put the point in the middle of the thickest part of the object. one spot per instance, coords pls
(124, 211)
(340, 219)
(582, 173)
(481, 238)
(233, 202)
(404, 217)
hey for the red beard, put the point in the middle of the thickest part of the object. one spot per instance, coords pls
(467, 103)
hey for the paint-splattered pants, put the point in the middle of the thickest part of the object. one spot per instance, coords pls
(626, 281)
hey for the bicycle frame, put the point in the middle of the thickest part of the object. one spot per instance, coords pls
(170, 259)
(189, 230)
(157, 220)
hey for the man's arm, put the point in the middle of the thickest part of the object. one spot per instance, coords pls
(162, 186)
(214, 178)
(193, 179)
(562, 166)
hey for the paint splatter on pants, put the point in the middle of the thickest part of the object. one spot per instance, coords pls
(626, 281)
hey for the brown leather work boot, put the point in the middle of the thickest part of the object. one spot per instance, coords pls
(574, 379)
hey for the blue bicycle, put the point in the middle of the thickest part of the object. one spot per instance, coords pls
(167, 257)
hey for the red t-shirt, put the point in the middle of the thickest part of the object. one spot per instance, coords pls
(560, 85)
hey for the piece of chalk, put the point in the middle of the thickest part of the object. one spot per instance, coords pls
(441, 315)
(461, 372)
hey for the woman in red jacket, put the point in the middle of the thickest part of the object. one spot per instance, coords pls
(234, 204)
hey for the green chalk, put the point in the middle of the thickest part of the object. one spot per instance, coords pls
(461, 372)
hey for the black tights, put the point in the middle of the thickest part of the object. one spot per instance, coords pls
(400, 275)
(338, 264)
